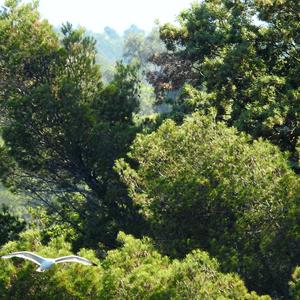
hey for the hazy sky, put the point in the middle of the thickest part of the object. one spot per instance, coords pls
(118, 14)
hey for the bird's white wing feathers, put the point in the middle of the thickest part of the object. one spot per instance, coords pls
(74, 258)
(26, 255)
(39, 259)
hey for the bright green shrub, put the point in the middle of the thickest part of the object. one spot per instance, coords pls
(18, 279)
(138, 271)
(204, 185)
(134, 271)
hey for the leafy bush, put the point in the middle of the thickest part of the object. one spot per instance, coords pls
(18, 279)
(203, 185)
(138, 271)
(135, 271)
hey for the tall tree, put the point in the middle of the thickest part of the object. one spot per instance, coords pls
(244, 58)
(203, 185)
(63, 128)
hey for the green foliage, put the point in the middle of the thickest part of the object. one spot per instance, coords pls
(245, 56)
(203, 185)
(133, 46)
(134, 271)
(18, 279)
(295, 284)
(20, 57)
(10, 225)
(50, 225)
(137, 271)
(63, 129)
(13, 201)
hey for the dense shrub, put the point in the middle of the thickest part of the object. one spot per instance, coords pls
(18, 279)
(203, 185)
(135, 271)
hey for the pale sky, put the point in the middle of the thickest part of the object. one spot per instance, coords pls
(118, 14)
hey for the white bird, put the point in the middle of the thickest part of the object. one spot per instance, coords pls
(47, 263)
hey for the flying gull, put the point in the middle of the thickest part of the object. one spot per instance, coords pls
(47, 263)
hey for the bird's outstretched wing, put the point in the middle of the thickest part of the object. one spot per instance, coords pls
(26, 255)
(74, 258)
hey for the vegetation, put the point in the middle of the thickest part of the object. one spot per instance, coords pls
(190, 146)
(10, 225)
(63, 128)
(134, 271)
(203, 185)
(243, 56)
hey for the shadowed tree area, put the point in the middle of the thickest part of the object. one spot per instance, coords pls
(10, 225)
(62, 128)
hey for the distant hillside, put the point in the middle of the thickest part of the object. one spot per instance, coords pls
(109, 44)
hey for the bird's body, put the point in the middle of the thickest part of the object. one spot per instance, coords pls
(46, 263)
